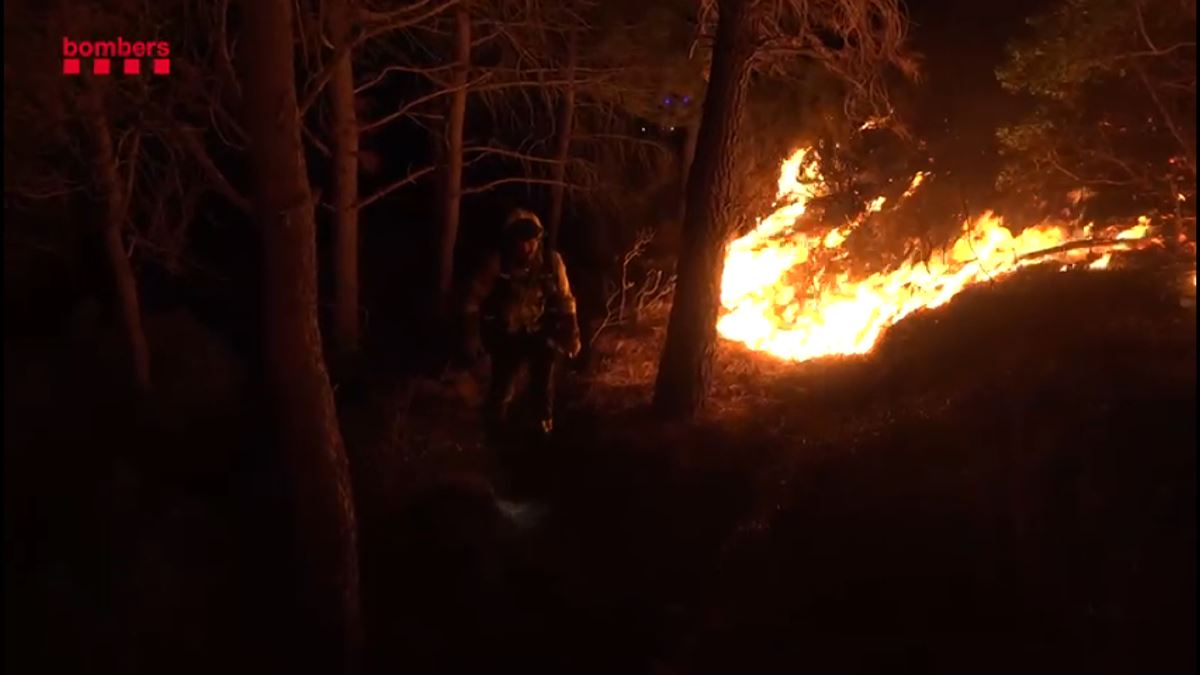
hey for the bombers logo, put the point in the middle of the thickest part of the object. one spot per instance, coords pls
(102, 53)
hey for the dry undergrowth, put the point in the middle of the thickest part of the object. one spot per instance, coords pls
(991, 336)
(627, 362)
(989, 341)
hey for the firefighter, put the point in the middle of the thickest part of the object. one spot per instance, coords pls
(520, 310)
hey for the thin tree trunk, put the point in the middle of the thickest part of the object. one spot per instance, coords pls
(115, 213)
(304, 411)
(452, 185)
(346, 326)
(685, 367)
(562, 150)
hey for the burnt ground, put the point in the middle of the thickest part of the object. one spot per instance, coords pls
(1007, 484)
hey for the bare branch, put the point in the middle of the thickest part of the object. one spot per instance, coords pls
(528, 84)
(397, 17)
(1189, 149)
(520, 180)
(386, 22)
(131, 161)
(224, 60)
(489, 150)
(405, 109)
(195, 145)
(312, 138)
(400, 69)
(1141, 21)
(853, 39)
(478, 42)
(392, 187)
(37, 195)
(216, 111)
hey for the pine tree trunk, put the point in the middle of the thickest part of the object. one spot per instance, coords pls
(299, 389)
(562, 150)
(115, 213)
(452, 185)
(346, 326)
(685, 367)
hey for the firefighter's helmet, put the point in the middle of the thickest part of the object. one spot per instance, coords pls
(523, 225)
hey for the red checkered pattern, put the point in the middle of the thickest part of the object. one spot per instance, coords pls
(105, 66)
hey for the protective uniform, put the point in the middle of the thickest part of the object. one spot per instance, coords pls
(520, 308)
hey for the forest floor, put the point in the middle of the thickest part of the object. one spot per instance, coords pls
(1005, 484)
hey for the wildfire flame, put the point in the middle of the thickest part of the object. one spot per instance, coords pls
(781, 295)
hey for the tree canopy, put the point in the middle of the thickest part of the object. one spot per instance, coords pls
(1113, 90)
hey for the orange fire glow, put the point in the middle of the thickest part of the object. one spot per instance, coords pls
(780, 295)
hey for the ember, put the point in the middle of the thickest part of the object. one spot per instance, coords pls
(780, 295)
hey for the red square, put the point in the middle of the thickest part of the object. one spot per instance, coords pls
(70, 66)
(162, 66)
(101, 66)
(133, 66)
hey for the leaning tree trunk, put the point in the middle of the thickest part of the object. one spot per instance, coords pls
(562, 150)
(685, 366)
(304, 411)
(115, 213)
(452, 182)
(346, 328)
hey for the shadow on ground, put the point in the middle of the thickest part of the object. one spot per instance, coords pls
(1006, 485)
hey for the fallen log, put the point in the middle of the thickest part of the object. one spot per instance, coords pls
(1107, 244)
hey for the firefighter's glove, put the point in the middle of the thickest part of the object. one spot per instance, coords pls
(573, 347)
(569, 348)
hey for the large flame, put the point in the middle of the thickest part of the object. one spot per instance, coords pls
(781, 294)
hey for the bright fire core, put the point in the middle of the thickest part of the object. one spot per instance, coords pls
(783, 292)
